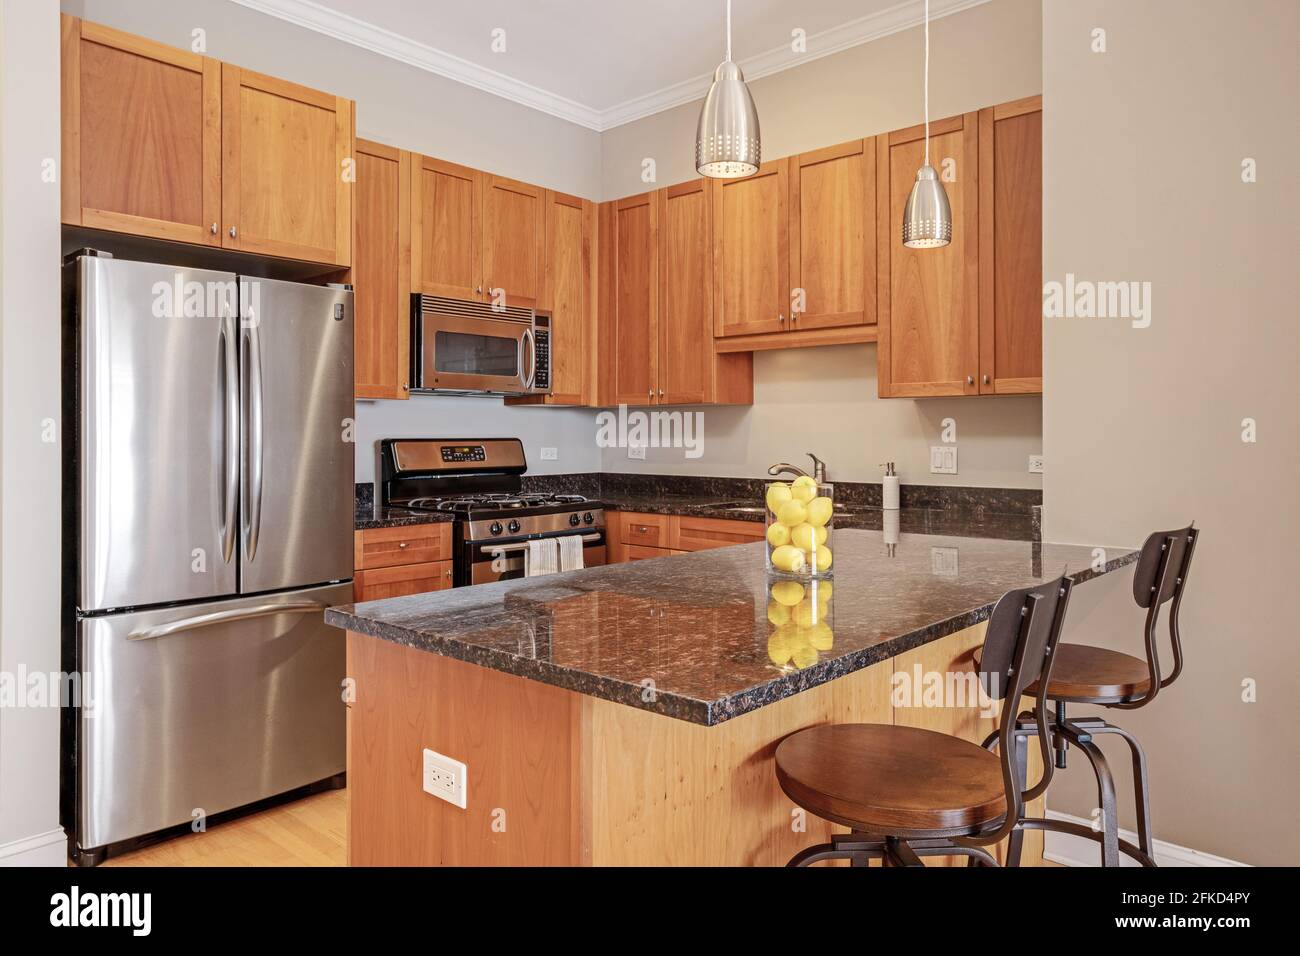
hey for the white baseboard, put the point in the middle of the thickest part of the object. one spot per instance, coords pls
(43, 849)
(1070, 850)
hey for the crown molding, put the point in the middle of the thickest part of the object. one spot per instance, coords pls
(340, 26)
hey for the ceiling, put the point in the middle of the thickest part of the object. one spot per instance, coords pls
(601, 63)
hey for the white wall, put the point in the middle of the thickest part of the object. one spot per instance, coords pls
(414, 109)
(1143, 146)
(824, 399)
(29, 465)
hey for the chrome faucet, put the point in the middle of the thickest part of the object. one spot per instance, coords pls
(818, 475)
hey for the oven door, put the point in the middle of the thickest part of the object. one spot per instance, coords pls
(475, 354)
(504, 560)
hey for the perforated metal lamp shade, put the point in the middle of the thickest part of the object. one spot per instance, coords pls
(927, 217)
(727, 143)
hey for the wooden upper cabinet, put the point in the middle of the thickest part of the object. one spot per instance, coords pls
(514, 216)
(927, 299)
(1011, 247)
(287, 168)
(635, 299)
(381, 271)
(833, 236)
(446, 229)
(567, 294)
(685, 320)
(141, 136)
(751, 262)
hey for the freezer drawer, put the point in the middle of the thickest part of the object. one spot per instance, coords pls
(207, 707)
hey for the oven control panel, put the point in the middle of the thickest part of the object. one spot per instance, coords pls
(453, 454)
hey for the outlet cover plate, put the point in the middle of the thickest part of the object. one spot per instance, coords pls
(550, 454)
(1035, 464)
(943, 459)
(445, 778)
(636, 452)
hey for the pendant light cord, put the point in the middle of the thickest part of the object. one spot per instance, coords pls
(927, 71)
(729, 29)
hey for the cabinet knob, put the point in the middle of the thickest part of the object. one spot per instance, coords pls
(214, 228)
(233, 232)
(650, 395)
(970, 379)
(661, 393)
(401, 544)
(781, 317)
(478, 289)
(986, 379)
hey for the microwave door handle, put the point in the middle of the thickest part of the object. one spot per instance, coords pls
(532, 358)
(229, 358)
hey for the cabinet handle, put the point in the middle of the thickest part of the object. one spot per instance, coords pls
(650, 395)
(986, 379)
(781, 318)
(478, 289)
(214, 228)
(970, 379)
(661, 393)
(401, 544)
(233, 232)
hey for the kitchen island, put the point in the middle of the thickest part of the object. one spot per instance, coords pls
(628, 714)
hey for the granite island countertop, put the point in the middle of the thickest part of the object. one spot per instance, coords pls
(689, 636)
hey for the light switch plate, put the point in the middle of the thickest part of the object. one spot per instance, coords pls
(550, 454)
(1035, 464)
(636, 451)
(445, 778)
(943, 459)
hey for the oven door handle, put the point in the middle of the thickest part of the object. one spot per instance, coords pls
(522, 545)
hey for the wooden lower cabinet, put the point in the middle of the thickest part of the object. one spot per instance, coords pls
(559, 778)
(636, 536)
(401, 580)
(394, 562)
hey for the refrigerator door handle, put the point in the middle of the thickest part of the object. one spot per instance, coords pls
(253, 484)
(230, 430)
(225, 617)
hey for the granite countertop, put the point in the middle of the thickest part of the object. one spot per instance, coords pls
(371, 515)
(690, 636)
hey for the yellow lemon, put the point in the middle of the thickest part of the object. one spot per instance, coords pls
(788, 558)
(819, 636)
(819, 511)
(822, 534)
(803, 536)
(805, 655)
(823, 559)
(806, 614)
(791, 513)
(823, 590)
(780, 646)
(777, 495)
(778, 613)
(777, 535)
(803, 488)
(788, 593)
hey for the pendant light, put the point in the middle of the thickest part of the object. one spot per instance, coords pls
(927, 217)
(727, 144)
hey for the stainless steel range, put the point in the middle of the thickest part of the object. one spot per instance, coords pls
(480, 481)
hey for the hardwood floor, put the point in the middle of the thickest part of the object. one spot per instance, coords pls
(307, 832)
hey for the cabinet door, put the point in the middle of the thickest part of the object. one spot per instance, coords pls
(636, 295)
(401, 580)
(514, 215)
(928, 299)
(1011, 247)
(381, 273)
(685, 353)
(287, 153)
(751, 255)
(141, 136)
(446, 229)
(566, 291)
(833, 236)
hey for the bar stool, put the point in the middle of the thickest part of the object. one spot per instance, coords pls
(1094, 675)
(907, 793)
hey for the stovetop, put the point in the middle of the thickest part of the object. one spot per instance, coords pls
(481, 505)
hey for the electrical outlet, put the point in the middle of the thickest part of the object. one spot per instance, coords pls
(636, 451)
(943, 562)
(445, 778)
(1035, 464)
(550, 454)
(943, 459)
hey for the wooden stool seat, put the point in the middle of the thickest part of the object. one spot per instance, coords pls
(1093, 675)
(879, 778)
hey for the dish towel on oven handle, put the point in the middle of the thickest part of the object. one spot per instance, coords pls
(541, 557)
(571, 552)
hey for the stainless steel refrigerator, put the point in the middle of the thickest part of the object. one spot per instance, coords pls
(209, 507)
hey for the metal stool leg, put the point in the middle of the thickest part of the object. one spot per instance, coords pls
(1106, 795)
(1016, 841)
(1141, 792)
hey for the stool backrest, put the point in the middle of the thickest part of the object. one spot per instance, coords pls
(1160, 577)
(1021, 638)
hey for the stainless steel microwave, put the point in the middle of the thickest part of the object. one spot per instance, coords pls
(472, 348)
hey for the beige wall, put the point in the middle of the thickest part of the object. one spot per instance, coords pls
(824, 399)
(1142, 151)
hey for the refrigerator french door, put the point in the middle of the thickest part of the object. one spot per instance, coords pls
(213, 483)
